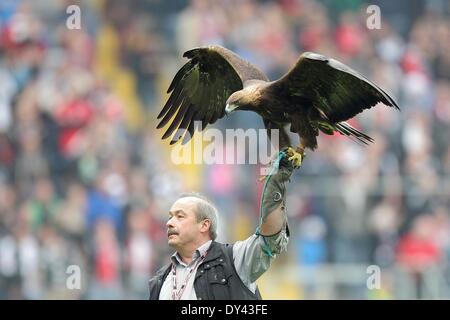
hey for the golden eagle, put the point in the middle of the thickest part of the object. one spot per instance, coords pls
(318, 93)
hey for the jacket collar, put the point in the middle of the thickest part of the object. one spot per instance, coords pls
(213, 253)
(176, 259)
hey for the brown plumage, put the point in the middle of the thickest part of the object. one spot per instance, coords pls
(317, 94)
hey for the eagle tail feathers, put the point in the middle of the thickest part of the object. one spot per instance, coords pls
(347, 130)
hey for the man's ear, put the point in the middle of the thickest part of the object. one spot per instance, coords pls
(206, 225)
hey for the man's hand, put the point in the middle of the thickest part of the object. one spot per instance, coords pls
(274, 197)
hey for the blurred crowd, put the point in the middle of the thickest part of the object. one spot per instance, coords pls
(85, 179)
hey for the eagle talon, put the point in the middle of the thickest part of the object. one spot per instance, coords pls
(296, 157)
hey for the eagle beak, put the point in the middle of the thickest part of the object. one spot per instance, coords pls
(229, 108)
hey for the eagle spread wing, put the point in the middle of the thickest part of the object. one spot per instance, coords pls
(336, 90)
(201, 88)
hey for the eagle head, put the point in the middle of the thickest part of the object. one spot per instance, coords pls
(241, 100)
(232, 102)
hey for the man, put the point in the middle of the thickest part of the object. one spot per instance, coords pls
(202, 268)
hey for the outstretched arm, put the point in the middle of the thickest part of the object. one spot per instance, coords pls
(273, 204)
(274, 221)
(253, 256)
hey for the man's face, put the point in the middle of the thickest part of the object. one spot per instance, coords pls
(182, 227)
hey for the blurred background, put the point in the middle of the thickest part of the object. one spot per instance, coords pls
(85, 179)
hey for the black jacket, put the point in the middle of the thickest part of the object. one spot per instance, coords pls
(216, 277)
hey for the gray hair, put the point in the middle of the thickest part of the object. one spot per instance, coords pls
(205, 210)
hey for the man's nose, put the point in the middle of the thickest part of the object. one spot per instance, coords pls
(169, 223)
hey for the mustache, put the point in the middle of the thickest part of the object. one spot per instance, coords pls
(171, 232)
